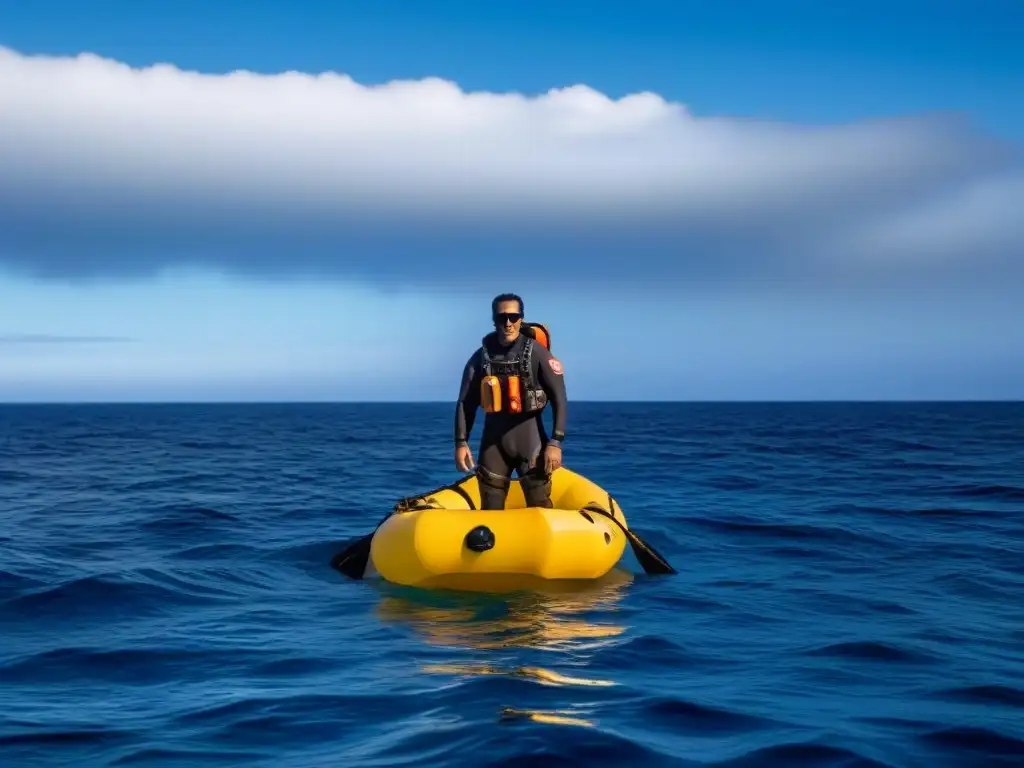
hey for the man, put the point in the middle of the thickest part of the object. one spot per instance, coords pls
(513, 436)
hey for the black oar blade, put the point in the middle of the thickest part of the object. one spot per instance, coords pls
(648, 557)
(352, 560)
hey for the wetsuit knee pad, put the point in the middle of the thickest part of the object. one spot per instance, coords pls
(536, 485)
(493, 488)
(492, 479)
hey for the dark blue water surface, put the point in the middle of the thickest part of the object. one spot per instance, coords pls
(850, 593)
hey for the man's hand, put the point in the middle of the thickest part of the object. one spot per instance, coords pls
(463, 458)
(552, 458)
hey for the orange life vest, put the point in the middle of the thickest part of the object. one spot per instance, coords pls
(508, 385)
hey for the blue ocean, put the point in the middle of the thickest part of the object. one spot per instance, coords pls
(850, 592)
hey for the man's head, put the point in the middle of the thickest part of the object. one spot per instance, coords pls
(507, 313)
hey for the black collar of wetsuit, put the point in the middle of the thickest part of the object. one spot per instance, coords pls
(492, 342)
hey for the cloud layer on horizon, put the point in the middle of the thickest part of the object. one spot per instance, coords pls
(53, 338)
(106, 170)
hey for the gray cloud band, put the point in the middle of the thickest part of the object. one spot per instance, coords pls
(108, 170)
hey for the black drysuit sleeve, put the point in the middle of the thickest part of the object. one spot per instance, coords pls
(469, 399)
(548, 372)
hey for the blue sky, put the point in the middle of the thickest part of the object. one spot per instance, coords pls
(759, 201)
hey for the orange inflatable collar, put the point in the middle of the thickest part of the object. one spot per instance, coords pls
(538, 332)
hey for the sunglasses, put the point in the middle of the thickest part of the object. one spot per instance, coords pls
(507, 317)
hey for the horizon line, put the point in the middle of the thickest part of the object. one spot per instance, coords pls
(649, 401)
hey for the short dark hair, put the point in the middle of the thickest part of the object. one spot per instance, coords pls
(506, 297)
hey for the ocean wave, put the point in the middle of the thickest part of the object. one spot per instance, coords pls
(987, 746)
(808, 754)
(787, 532)
(132, 666)
(95, 596)
(177, 756)
(847, 594)
(45, 737)
(994, 694)
(873, 650)
(683, 716)
(988, 491)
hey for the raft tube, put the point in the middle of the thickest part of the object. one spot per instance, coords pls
(441, 539)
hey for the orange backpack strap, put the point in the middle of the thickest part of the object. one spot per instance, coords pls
(539, 332)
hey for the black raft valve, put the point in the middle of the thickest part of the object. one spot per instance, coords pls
(480, 539)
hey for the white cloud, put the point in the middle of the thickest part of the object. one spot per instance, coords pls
(52, 338)
(109, 169)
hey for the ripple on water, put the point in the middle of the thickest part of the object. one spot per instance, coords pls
(847, 595)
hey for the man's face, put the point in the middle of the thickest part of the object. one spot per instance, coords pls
(507, 320)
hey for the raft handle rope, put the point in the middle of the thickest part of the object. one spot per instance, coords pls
(407, 504)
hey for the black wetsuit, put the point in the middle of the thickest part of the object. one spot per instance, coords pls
(512, 441)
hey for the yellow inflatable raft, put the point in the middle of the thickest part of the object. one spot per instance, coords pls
(441, 539)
